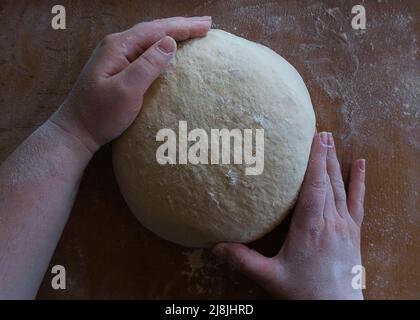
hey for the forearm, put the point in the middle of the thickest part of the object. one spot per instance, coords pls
(39, 180)
(38, 183)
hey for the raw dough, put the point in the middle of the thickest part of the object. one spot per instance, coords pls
(219, 81)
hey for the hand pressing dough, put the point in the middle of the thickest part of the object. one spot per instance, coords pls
(219, 81)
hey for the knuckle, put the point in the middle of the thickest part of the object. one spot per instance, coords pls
(360, 202)
(331, 155)
(314, 230)
(340, 197)
(140, 27)
(150, 27)
(340, 227)
(184, 31)
(312, 226)
(149, 64)
(317, 184)
(339, 183)
(109, 39)
(153, 61)
(334, 225)
(309, 205)
(159, 28)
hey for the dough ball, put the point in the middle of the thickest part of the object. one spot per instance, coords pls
(219, 81)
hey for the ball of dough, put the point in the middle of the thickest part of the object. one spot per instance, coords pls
(219, 81)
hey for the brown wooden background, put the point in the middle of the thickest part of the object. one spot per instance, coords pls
(364, 86)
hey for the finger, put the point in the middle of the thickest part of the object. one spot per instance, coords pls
(137, 39)
(249, 262)
(117, 50)
(311, 200)
(140, 74)
(330, 210)
(334, 172)
(357, 191)
(183, 18)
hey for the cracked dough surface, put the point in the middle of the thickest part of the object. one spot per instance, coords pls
(219, 81)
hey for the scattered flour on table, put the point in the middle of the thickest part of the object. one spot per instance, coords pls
(367, 86)
(203, 272)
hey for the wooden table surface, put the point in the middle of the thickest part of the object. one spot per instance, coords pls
(365, 88)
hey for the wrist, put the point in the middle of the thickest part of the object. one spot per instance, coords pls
(65, 121)
(66, 137)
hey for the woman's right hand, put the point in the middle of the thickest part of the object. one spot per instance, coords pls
(323, 243)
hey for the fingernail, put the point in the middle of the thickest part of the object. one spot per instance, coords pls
(167, 45)
(362, 164)
(201, 18)
(203, 23)
(324, 139)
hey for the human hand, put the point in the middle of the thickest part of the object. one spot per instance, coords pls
(109, 92)
(323, 243)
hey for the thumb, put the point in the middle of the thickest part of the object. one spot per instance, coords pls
(259, 268)
(141, 73)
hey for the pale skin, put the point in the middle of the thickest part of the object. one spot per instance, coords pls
(323, 242)
(39, 180)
